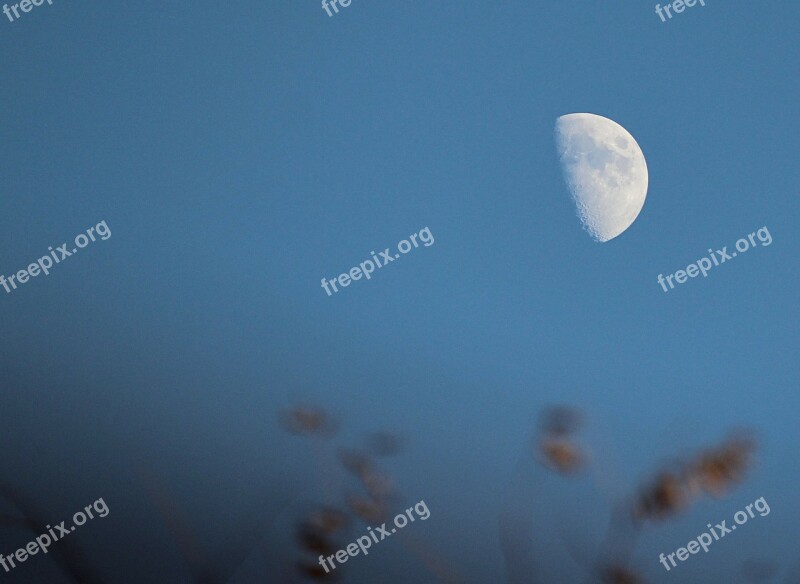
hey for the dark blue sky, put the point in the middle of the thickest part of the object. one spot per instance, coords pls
(241, 153)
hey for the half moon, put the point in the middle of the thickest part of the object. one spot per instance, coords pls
(605, 171)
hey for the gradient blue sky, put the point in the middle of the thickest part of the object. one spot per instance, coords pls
(241, 153)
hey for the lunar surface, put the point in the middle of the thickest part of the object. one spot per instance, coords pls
(605, 171)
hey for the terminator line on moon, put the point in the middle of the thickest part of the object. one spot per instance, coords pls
(605, 171)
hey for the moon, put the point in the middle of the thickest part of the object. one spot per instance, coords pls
(605, 171)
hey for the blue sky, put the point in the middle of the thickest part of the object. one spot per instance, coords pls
(240, 154)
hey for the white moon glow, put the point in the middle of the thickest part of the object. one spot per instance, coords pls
(605, 171)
